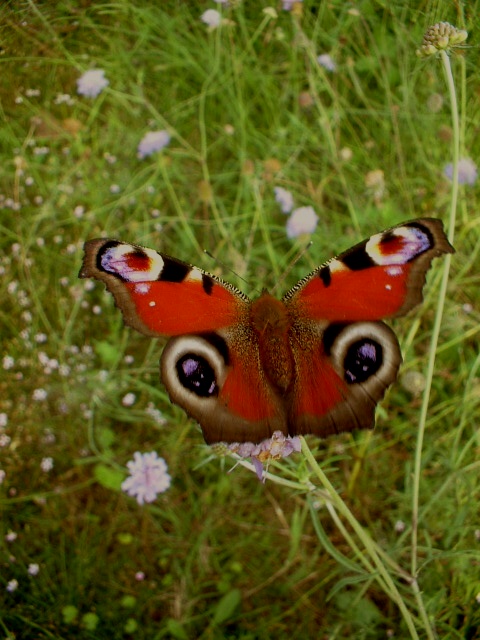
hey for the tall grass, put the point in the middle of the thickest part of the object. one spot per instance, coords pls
(364, 535)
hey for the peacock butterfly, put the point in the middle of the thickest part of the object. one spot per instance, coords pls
(317, 361)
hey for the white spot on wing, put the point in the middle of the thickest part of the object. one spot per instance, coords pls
(152, 303)
(194, 275)
(394, 271)
(142, 288)
(336, 266)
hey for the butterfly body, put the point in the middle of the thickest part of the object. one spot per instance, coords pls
(316, 361)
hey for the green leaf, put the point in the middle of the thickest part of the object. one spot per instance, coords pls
(108, 477)
(226, 606)
(176, 630)
(107, 352)
(105, 437)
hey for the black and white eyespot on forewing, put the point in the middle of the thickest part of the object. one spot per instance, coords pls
(364, 353)
(194, 368)
(399, 245)
(130, 263)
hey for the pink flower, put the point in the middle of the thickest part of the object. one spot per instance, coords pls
(148, 477)
(91, 83)
(274, 448)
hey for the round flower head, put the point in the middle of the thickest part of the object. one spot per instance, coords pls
(441, 37)
(91, 83)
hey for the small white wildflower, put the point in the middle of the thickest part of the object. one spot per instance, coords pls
(46, 464)
(212, 18)
(2, 476)
(11, 536)
(3, 420)
(129, 399)
(12, 585)
(33, 569)
(4, 440)
(8, 362)
(79, 211)
(399, 526)
(39, 395)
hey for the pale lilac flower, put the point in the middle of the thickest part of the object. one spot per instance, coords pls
(129, 399)
(400, 526)
(151, 142)
(140, 576)
(12, 585)
(212, 18)
(274, 448)
(288, 4)
(46, 464)
(91, 83)
(33, 569)
(2, 475)
(3, 420)
(327, 62)
(303, 220)
(4, 440)
(8, 362)
(467, 171)
(39, 395)
(284, 199)
(11, 536)
(148, 477)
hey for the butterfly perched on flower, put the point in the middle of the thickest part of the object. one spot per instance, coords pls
(317, 361)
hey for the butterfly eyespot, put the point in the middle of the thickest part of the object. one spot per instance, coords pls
(363, 359)
(193, 370)
(363, 352)
(196, 375)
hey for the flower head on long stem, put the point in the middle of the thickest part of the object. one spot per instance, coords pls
(442, 36)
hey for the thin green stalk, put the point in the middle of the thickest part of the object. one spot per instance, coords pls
(386, 579)
(439, 312)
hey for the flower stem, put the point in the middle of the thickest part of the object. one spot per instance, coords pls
(439, 312)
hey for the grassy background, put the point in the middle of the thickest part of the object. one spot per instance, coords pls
(249, 108)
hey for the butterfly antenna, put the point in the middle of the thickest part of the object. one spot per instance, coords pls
(226, 266)
(287, 271)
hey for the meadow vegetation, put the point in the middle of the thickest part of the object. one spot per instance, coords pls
(382, 538)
